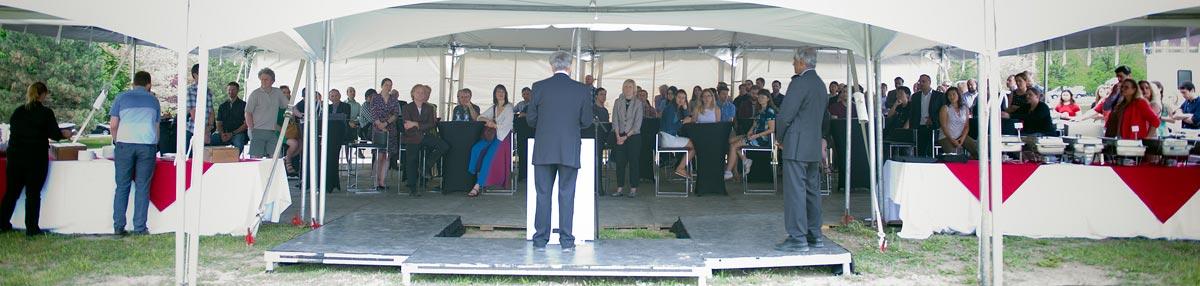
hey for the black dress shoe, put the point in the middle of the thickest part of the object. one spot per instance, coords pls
(34, 232)
(792, 245)
(816, 242)
(140, 232)
(120, 232)
(539, 248)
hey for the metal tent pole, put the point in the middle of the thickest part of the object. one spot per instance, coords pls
(325, 124)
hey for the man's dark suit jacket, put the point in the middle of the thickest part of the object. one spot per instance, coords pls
(800, 119)
(935, 108)
(559, 108)
(426, 120)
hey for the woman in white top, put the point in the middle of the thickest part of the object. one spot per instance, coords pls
(706, 110)
(627, 125)
(500, 116)
(954, 125)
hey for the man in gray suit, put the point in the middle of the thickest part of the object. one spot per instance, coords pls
(559, 109)
(799, 132)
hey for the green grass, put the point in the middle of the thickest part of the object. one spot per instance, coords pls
(609, 233)
(61, 259)
(74, 259)
(96, 142)
(1134, 261)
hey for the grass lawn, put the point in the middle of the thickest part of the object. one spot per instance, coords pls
(942, 259)
(96, 142)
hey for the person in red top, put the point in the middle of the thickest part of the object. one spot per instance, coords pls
(1130, 111)
(1066, 105)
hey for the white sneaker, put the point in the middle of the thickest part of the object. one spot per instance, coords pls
(728, 175)
(746, 163)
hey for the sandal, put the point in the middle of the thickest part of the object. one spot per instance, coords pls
(682, 174)
(473, 193)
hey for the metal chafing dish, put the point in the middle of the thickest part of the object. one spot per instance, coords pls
(1084, 149)
(1175, 147)
(1011, 144)
(1048, 149)
(1130, 148)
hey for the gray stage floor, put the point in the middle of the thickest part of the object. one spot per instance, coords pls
(646, 210)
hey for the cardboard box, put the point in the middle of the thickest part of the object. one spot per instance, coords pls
(66, 151)
(223, 154)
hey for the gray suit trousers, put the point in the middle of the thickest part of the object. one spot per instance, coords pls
(802, 199)
(544, 183)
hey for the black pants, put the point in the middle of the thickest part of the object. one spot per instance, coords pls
(544, 176)
(28, 174)
(629, 154)
(333, 178)
(412, 158)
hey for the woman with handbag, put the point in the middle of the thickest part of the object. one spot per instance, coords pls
(498, 124)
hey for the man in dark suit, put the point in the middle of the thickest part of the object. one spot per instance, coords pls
(799, 132)
(560, 108)
(420, 118)
(926, 118)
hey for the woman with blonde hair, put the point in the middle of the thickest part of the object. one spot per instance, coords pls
(628, 112)
(33, 125)
(1156, 105)
(705, 109)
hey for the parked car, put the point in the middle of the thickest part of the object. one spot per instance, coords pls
(101, 129)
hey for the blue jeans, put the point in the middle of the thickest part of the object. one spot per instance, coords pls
(134, 164)
(487, 150)
(238, 140)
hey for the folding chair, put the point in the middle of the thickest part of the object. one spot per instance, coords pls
(658, 151)
(774, 167)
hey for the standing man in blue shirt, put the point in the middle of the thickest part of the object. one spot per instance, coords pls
(1189, 111)
(134, 119)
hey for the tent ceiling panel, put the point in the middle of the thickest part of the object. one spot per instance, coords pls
(551, 38)
(359, 34)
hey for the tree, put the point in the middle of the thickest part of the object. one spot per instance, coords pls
(74, 71)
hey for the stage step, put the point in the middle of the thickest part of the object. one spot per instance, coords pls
(365, 239)
(604, 258)
(748, 241)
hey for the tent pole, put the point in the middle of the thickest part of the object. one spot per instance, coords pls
(870, 113)
(1046, 67)
(994, 201)
(578, 52)
(849, 143)
(325, 123)
(181, 71)
(462, 81)
(309, 135)
(195, 198)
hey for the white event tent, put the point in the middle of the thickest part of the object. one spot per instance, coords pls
(333, 31)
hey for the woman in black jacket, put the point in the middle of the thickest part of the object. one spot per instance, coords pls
(32, 125)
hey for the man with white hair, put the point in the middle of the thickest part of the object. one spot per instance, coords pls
(560, 108)
(799, 135)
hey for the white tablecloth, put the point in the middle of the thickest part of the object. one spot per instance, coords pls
(78, 198)
(1055, 201)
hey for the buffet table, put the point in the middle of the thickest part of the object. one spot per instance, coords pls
(1059, 200)
(78, 197)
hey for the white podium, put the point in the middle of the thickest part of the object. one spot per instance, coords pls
(584, 227)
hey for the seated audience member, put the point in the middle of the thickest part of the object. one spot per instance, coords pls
(526, 95)
(647, 110)
(419, 119)
(760, 131)
(483, 154)
(897, 114)
(706, 110)
(1188, 112)
(728, 110)
(465, 111)
(953, 137)
(837, 109)
(673, 117)
(1035, 116)
(744, 102)
(1131, 110)
(1066, 105)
